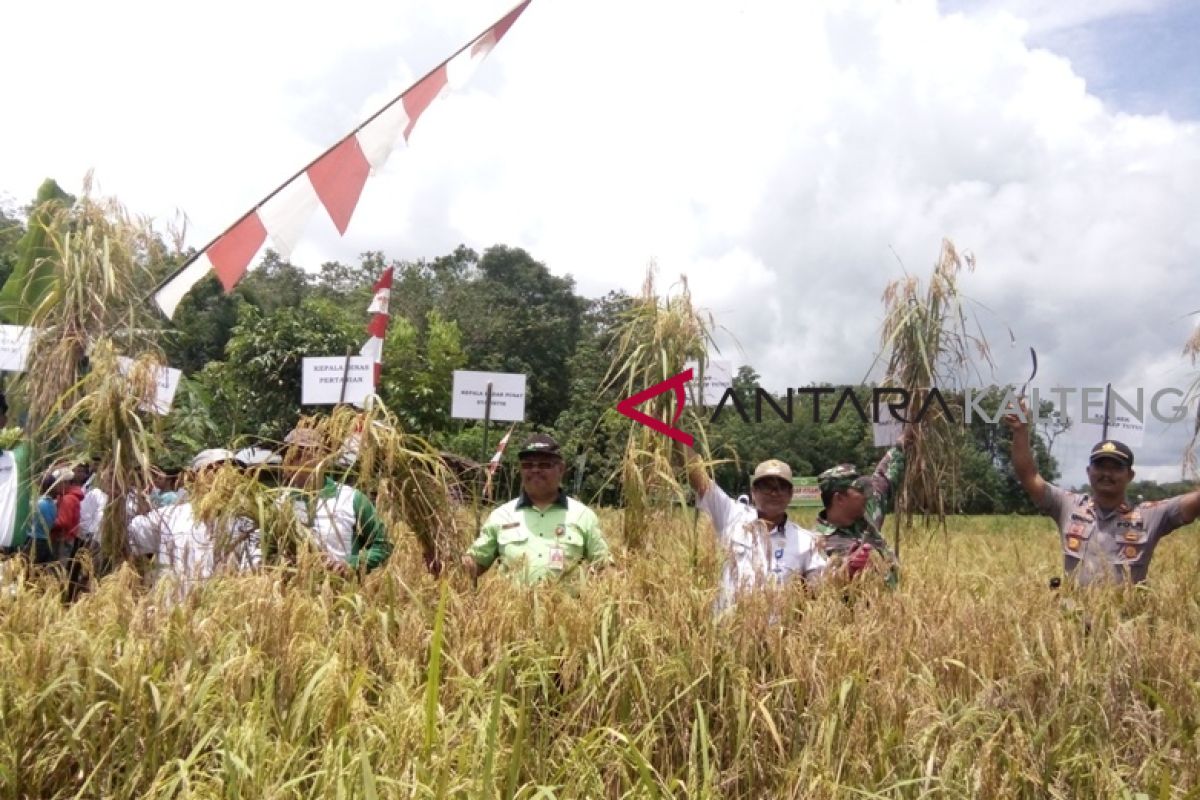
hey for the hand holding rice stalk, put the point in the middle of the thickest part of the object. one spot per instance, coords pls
(654, 339)
(926, 337)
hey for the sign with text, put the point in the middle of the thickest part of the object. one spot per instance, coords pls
(1122, 426)
(469, 397)
(718, 376)
(14, 347)
(166, 382)
(322, 377)
(806, 493)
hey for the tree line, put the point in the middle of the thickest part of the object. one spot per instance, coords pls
(500, 310)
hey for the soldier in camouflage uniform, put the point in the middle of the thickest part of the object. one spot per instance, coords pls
(851, 524)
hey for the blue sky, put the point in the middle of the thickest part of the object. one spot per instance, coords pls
(1140, 57)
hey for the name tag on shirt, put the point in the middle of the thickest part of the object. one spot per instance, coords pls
(557, 559)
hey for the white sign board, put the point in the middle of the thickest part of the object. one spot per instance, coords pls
(14, 347)
(166, 381)
(887, 430)
(718, 376)
(469, 396)
(1122, 426)
(322, 377)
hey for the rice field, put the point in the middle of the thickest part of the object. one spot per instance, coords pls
(972, 680)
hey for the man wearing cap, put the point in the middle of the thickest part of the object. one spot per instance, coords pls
(851, 523)
(187, 548)
(764, 546)
(542, 534)
(341, 520)
(1104, 538)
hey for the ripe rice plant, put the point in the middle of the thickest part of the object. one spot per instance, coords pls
(928, 345)
(972, 679)
(655, 337)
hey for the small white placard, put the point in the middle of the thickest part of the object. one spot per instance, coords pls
(1121, 426)
(887, 430)
(469, 397)
(321, 379)
(718, 376)
(14, 347)
(166, 382)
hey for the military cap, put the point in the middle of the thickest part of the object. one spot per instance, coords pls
(839, 478)
(1111, 448)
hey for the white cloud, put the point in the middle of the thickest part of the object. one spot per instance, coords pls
(1046, 17)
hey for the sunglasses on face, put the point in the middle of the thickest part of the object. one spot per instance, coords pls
(773, 486)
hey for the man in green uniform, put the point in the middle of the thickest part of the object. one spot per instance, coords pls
(851, 523)
(542, 534)
(1104, 539)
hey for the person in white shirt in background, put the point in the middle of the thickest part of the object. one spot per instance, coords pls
(187, 549)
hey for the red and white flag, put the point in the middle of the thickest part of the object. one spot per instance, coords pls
(334, 179)
(377, 327)
(494, 464)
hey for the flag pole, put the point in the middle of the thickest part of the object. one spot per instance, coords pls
(487, 419)
(1107, 392)
(345, 376)
(182, 267)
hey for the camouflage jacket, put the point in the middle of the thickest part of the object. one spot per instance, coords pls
(837, 541)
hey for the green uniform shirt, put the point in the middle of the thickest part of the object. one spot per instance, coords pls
(836, 542)
(533, 546)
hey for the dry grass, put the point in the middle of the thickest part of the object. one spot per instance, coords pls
(928, 344)
(100, 266)
(654, 340)
(971, 680)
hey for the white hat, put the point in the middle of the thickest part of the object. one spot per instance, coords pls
(215, 455)
(257, 456)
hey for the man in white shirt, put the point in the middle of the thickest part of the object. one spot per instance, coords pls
(190, 550)
(764, 547)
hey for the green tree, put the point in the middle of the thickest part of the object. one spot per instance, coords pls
(11, 231)
(275, 283)
(590, 427)
(32, 274)
(516, 316)
(256, 389)
(202, 325)
(419, 370)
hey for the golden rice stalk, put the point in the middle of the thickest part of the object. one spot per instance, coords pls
(926, 338)
(1191, 349)
(106, 418)
(102, 261)
(404, 474)
(654, 339)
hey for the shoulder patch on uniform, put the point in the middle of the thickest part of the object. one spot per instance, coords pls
(509, 525)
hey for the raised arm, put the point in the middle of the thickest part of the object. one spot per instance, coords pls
(1189, 506)
(1023, 462)
(697, 473)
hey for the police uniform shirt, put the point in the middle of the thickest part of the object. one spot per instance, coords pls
(759, 553)
(1114, 545)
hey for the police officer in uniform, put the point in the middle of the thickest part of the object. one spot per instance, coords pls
(1104, 538)
(850, 525)
(542, 534)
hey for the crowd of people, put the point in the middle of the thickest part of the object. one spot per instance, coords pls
(544, 535)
